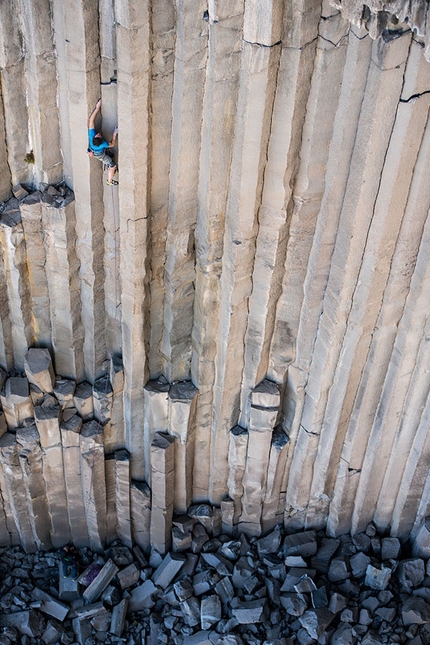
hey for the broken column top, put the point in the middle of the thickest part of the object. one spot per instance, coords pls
(266, 395)
(46, 412)
(238, 430)
(162, 440)
(92, 428)
(10, 214)
(16, 389)
(157, 385)
(183, 391)
(74, 424)
(38, 368)
(27, 436)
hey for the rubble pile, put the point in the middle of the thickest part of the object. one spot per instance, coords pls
(275, 590)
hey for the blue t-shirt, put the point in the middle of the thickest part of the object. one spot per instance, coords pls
(103, 143)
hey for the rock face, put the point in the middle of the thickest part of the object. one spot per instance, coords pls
(241, 326)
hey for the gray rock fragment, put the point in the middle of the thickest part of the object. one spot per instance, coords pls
(359, 564)
(316, 621)
(210, 611)
(304, 544)
(377, 578)
(294, 604)
(39, 370)
(421, 543)
(338, 570)
(119, 613)
(253, 611)
(191, 611)
(415, 611)
(411, 572)
(141, 596)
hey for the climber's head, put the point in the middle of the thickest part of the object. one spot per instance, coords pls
(97, 139)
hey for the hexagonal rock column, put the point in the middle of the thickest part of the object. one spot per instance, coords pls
(14, 99)
(265, 400)
(134, 77)
(182, 405)
(163, 490)
(16, 312)
(122, 489)
(16, 401)
(116, 424)
(274, 497)
(156, 419)
(93, 482)
(41, 89)
(38, 369)
(48, 424)
(140, 498)
(70, 440)
(31, 214)
(76, 24)
(62, 272)
(35, 485)
(236, 468)
(13, 494)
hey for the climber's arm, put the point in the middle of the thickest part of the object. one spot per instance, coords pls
(114, 136)
(93, 115)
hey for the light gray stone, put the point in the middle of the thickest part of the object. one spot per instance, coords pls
(39, 370)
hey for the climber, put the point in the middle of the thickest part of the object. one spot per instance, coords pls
(69, 561)
(98, 147)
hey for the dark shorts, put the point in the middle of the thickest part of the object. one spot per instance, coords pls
(106, 158)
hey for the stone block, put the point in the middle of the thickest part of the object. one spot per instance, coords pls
(16, 402)
(415, 611)
(67, 587)
(316, 621)
(128, 576)
(303, 544)
(359, 564)
(266, 395)
(248, 612)
(377, 578)
(421, 543)
(390, 548)
(210, 611)
(64, 390)
(50, 605)
(168, 569)
(47, 418)
(83, 400)
(100, 582)
(190, 609)
(39, 369)
(411, 572)
(102, 399)
(119, 613)
(141, 597)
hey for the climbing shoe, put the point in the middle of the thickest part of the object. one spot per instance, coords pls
(112, 183)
